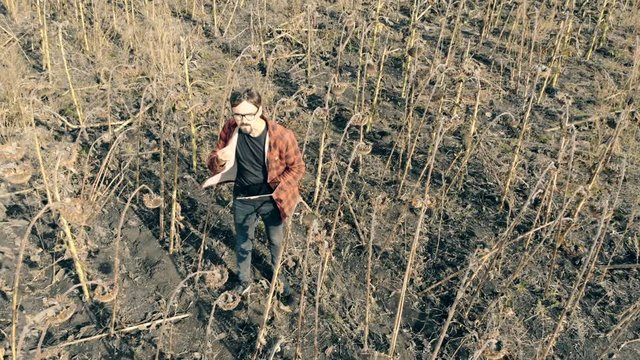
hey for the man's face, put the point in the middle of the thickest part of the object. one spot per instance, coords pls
(246, 116)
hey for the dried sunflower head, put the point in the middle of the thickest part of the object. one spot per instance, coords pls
(350, 21)
(11, 152)
(65, 308)
(359, 119)
(309, 218)
(217, 277)
(495, 349)
(250, 56)
(414, 51)
(419, 202)
(321, 113)
(228, 300)
(564, 98)
(339, 88)
(103, 294)
(68, 155)
(364, 148)
(279, 287)
(75, 210)
(308, 90)
(151, 201)
(289, 105)
(470, 67)
(371, 68)
(18, 174)
(542, 70)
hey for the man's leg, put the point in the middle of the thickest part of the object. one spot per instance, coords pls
(274, 227)
(244, 216)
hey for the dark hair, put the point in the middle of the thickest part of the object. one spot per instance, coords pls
(249, 95)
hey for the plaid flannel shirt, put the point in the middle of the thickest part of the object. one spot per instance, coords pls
(285, 166)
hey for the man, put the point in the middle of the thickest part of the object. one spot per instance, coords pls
(263, 159)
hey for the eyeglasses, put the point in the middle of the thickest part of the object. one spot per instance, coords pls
(248, 117)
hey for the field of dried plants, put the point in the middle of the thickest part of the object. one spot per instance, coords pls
(472, 186)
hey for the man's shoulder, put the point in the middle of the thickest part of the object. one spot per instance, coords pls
(230, 122)
(279, 129)
(229, 125)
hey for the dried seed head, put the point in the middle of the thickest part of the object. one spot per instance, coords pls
(174, 96)
(470, 67)
(381, 200)
(179, 216)
(200, 108)
(363, 148)
(564, 98)
(279, 287)
(414, 51)
(217, 278)
(64, 310)
(308, 90)
(371, 68)
(18, 174)
(419, 203)
(289, 105)
(350, 22)
(228, 300)
(262, 340)
(251, 56)
(152, 201)
(339, 88)
(64, 315)
(416, 203)
(104, 294)
(68, 155)
(75, 210)
(321, 113)
(359, 119)
(543, 70)
(309, 218)
(130, 71)
(11, 152)
(181, 104)
(494, 349)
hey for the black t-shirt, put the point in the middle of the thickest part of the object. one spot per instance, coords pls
(251, 179)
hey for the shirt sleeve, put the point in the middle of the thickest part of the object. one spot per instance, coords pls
(223, 140)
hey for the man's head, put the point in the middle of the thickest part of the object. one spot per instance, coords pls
(246, 107)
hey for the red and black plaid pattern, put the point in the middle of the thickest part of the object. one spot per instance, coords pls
(285, 166)
(223, 139)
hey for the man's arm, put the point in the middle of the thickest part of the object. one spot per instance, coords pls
(213, 163)
(295, 166)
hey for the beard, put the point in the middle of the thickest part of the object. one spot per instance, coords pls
(245, 128)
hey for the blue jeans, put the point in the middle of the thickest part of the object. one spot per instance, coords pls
(245, 216)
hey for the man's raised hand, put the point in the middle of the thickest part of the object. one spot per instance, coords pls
(225, 154)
